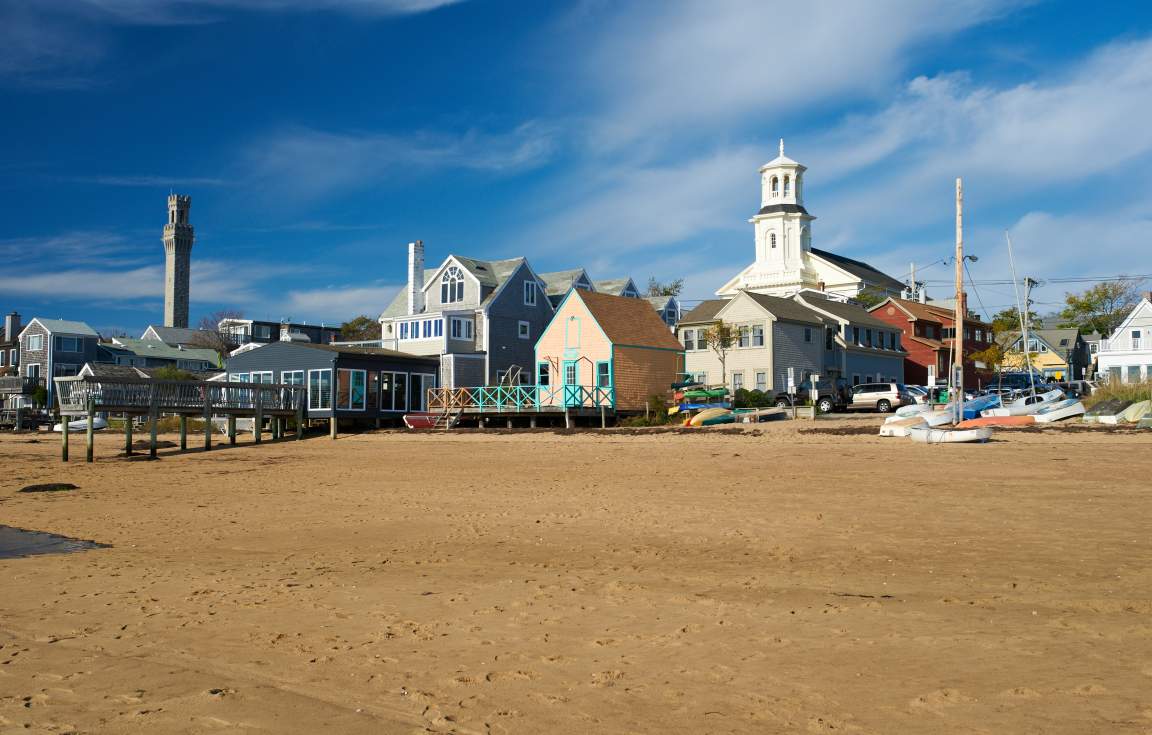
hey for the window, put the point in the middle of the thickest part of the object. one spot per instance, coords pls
(891, 340)
(3, 355)
(263, 331)
(1133, 374)
(67, 344)
(829, 338)
(868, 337)
(461, 328)
(761, 381)
(32, 371)
(452, 286)
(427, 328)
(240, 377)
(787, 185)
(979, 335)
(744, 334)
(530, 288)
(1093, 348)
(35, 342)
(404, 330)
(689, 339)
(772, 239)
(292, 377)
(14, 360)
(603, 375)
(807, 334)
(523, 330)
(438, 327)
(393, 391)
(856, 335)
(856, 379)
(758, 335)
(737, 381)
(570, 373)
(701, 378)
(351, 387)
(263, 376)
(545, 374)
(775, 186)
(64, 369)
(319, 390)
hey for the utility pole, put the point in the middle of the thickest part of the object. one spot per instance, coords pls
(958, 321)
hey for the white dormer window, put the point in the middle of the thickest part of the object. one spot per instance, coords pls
(529, 293)
(787, 185)
(452, 286)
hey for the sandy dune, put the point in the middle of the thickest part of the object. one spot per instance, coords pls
(763, 582)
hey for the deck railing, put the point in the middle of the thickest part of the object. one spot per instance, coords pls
(175, 396)
(520, 398)
(18, 385)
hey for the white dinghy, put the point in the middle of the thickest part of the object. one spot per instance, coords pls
(1026, 405)
(82, 425)
(898, 426)
(927, 435)
(1060, 410)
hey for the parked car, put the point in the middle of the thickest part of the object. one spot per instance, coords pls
(1078, 388)
(882, 397)
(833, 395)
(919, 393)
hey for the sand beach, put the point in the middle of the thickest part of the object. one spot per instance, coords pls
(765, 580)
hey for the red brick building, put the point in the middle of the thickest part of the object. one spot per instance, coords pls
(928, 334)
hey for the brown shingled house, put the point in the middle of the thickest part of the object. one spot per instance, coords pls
(598, 345)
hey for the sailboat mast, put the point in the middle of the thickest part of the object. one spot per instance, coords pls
(958, 322)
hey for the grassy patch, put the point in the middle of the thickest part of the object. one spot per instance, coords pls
(1120, 391)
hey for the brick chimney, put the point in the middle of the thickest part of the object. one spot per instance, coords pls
(11, 326)
(416, 277)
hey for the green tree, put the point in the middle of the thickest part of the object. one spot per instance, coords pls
(171, 372)
(869, 297)
(1102, 307)
(209, 337)
(672, 288)
(721, 338)
(360, 329)
(1008, 320)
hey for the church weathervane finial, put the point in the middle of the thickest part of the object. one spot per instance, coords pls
(781, 147)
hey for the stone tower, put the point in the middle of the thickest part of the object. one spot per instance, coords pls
(178, 239)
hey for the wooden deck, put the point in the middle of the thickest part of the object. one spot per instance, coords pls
(87, 396)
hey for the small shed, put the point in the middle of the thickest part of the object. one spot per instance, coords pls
(353, 382)
(598, 344)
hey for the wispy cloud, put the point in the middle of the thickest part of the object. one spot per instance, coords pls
(303, 163)
(147, 181)
(339, 303)
(165, 12)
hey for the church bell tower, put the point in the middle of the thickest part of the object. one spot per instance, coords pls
(178, 239)
(783, 227)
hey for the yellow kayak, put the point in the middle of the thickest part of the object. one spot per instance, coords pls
(709, 413)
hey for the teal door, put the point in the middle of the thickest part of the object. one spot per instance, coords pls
(570, 379)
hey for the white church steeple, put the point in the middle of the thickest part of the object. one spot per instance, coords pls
(781, 180)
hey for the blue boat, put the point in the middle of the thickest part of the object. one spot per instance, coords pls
(973, 407)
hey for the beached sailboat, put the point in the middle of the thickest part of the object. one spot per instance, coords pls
(1025, 405)
(928, 435)
(1059, 411)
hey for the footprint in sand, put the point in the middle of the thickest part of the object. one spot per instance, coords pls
(831, 724)
(1021, 693)
(937, 700)
(1088, 690)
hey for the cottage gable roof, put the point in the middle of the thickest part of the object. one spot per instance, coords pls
(785, 309)
(705, 311)
(173, 335)
(850, 312)
(628, 321)
(63, 326)
(1056, 339)
(614, 286)
(927, 312)
(161, 350)
(558, 283)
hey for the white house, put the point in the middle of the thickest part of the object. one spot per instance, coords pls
(786, 263)
(1126, 356)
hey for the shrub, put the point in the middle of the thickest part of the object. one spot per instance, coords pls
(1115, 390)
(171, 372)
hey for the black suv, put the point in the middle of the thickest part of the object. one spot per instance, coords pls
(833, 395)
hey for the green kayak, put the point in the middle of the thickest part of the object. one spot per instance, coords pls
(706, 393)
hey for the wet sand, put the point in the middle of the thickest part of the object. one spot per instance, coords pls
(612, 583)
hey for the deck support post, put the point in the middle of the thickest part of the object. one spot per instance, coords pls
(567, 419)
(509, 423)
(90, 437)
(300, 421)
(278, 428)
(232, 429)
(183, 433)
(127, 435)
(63, 437)
(154, 417)
(603, 418)
(332, 425)
(207, 421)
(19, 421)
(532, 422)
(258, 421)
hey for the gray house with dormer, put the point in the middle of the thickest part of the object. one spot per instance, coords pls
(53, 348)
(482, 317)
(858, 347)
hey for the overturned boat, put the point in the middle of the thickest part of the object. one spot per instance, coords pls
(928, 435)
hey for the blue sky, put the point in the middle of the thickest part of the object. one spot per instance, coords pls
(318, 137)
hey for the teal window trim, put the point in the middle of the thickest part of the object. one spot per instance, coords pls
(608, 373)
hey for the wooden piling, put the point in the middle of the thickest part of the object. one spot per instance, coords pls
(183, 433)
(300, 422)
(258, 422)
(332, 425)
(207, 421)
(232, 429)
(63, 437)
(127, 435)
(154, 417)
(603, 418)
(90, 436)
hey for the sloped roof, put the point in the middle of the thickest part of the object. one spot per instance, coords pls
(108, 370)
(933, 343)
(928, 311)
(63, 326)
(490, 273)
(370, 351)
(628, 321)
(789, 208)
(851, 312)
(612, 285)
(861, 270)
(161, 350)
(501, 271)
(557, 283)
(658, 302)
(705, 311)
(785, 309)
(1050, 336)
(175, 335)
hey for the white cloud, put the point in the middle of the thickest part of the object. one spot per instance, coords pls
(339, 303)
(160, 12)
(689, 65)
(303, 163)
(147, 181)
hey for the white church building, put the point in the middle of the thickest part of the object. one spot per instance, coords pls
(786, 263)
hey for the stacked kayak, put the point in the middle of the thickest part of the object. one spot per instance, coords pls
(1059, 411)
